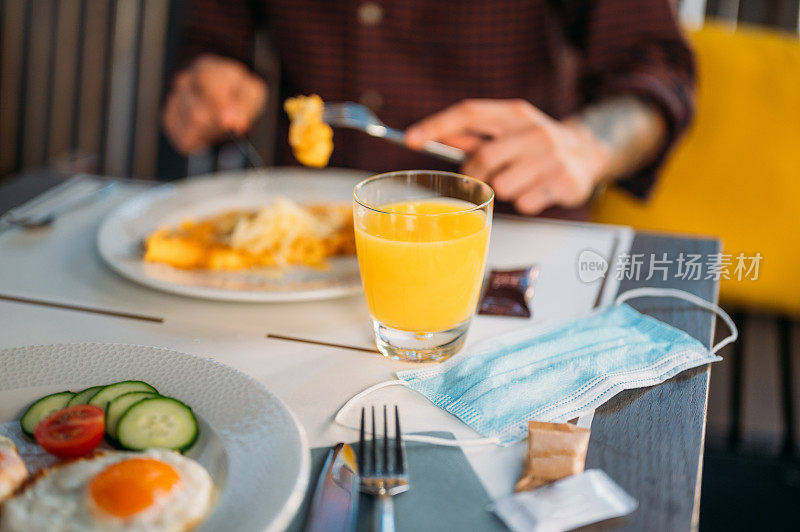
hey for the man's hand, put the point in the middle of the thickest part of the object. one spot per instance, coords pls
(211, 97)
(527, 157)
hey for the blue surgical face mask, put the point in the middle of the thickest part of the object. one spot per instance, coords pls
(557, 372)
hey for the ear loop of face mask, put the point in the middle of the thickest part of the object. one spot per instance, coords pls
(585, 420)
(686, 296)
(421, 438)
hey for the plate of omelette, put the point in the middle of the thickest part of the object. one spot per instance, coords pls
(273, 234)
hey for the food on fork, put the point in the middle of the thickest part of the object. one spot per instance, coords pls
(281, 234)
(153, 490)
(311, 138)
(12, 469)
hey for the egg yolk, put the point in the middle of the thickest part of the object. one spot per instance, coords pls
(130, 486)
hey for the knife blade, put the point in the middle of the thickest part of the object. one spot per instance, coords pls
(335, 504)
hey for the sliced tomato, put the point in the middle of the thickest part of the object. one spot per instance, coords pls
(71, 432)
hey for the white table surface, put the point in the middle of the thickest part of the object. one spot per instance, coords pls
(62, 265)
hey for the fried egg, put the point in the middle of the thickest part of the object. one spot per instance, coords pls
(12, 469)
(155, 490)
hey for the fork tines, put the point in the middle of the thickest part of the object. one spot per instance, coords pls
(393, 463)
(347, 114)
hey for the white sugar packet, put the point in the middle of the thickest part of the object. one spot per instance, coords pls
(569, 503)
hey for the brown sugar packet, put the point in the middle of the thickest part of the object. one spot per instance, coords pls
(555, 451)
(509, 292)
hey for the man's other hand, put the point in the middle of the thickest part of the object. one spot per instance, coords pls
(211, 97)
(528, 157)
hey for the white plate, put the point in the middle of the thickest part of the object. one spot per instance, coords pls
(120, 237)
(249, 441)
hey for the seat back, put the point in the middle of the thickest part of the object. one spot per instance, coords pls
(736, 174)
(81, 84)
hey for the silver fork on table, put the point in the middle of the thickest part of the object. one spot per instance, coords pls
(45, 220)
(356, 116)
(386, 477)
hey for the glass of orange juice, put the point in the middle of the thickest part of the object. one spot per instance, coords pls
(421, 239)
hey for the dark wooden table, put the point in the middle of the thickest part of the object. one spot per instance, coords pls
(649, 440)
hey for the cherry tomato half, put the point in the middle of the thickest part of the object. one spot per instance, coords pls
(71, 432)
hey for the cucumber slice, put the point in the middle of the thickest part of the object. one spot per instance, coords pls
(157, 422)
(112, 391)
(43, 408)
(118, 406)
(82, 397)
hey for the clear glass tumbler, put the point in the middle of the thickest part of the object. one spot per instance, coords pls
(421, 238)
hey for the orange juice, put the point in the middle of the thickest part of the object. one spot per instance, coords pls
(422, 265)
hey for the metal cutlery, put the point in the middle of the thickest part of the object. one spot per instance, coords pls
(249, 151)
(384, 477)
(356, 116)
(44, 220)
(335, 504)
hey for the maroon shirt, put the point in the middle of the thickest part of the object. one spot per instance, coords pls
(410, 58)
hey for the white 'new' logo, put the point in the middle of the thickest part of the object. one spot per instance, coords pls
(591, 266)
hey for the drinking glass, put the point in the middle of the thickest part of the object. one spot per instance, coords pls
(421, 239)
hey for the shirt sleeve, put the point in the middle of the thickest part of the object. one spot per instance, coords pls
(222, 27)
(637, 47)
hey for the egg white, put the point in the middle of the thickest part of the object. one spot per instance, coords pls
(12, 469)
(59, 500)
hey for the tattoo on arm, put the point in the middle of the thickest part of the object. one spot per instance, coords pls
(632, 129)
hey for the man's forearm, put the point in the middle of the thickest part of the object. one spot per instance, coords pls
(631, 129)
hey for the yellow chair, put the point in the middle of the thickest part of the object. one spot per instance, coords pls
(736, 174)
